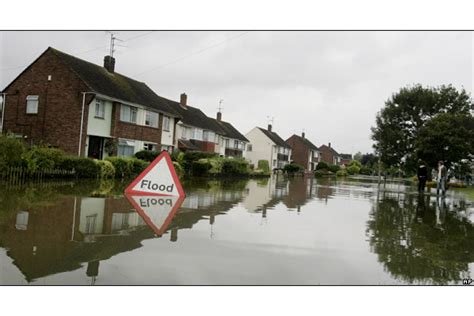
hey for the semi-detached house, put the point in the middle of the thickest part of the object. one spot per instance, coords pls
(85, 109)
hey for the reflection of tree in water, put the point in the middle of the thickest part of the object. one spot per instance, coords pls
(421, 240)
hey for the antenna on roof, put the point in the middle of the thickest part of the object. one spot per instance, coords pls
(220, 105)
(113, 38)
(270, 121)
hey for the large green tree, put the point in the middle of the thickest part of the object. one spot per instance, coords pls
(405, 113)
(448, 137)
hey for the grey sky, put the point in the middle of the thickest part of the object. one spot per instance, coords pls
(329, 83)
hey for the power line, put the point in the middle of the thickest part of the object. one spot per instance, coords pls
(193, 53)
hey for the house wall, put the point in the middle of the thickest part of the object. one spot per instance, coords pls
(167, 137)
(300, 152)
(99, 126)
(58, 120)
(328, 156)
(262, 147)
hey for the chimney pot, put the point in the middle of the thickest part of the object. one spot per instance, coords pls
(183, 100)
(302, 134)
(219, 116)
(109, 63)
(329, 145)
(269, 127)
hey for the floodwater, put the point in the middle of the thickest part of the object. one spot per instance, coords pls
(268, 231)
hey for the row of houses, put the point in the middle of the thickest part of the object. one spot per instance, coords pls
(89, 110)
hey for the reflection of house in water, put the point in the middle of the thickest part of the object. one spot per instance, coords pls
(63, 235)
(265, 194)
(300, 191)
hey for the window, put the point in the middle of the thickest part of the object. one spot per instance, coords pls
(91, 223)
(216, 139)
(236, 144)
(99, 108)
(32, 104)
(166, 123)
(249, 147)
(227, 143)
(151, 119)
(128, 113)
(197, 134)
(149, 146)
(125, 148)
(209, 136)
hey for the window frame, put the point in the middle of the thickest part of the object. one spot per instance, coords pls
(133, 112)
(30, 98)
(99, 103)
(157, 119)
(166, 123)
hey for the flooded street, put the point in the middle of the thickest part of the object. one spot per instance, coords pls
(267, 231)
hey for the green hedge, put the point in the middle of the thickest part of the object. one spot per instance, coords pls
(263, 165)
(40, 158)
(235, 167)
(322, 166)
(127, 167)
(84, 167)
(341, 173)
(366, 171)
(353, 169)
(293, 167)
(147, 155)
(200, 167)
(334, 168)
(107, 169)
(11, 151)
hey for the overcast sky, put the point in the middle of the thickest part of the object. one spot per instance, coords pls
(331, 84)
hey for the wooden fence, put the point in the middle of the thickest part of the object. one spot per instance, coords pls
(18, 175)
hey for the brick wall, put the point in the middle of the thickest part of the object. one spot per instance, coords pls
(57, 122)
(326, 155)
(299, 151)
(126, 130)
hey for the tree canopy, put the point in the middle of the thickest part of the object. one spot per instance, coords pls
(399, 122)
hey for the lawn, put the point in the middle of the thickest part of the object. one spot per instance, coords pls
(469, 192)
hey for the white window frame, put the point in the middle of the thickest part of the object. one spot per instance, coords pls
(151, 123)
(132, 114)
(166, 123)
(249, 147)
(32, 100)
(99, 109)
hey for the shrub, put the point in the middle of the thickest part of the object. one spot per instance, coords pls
(263, 165)
(353, 169)
(341, 173)
(318, 173)
(137, 166)
(322, 166)
(11, 151)
(293, 167)
(123, 167)
(235, 167)
(40, 158)
(366, 171)
(177, 167)
(147, 155)
(200, 167)
(107, 169)
(84, 167)
(355, 163)
(334, 168)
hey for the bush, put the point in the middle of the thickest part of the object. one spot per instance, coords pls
(84, 167)
(322, 166)
(263, 165)
(123, 167)
(334, 168)
(318, 173)
(235, 167)
(293, 167)
(11, 151)
(352, 169)
(341, 173)
(137, 166)
(177, 167)
(147, 155)
(200, 167)
(355, 163)
(40, 158)
(107, 169)
(189, 157)
(366, 171)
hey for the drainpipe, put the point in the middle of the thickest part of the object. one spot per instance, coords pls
(4, 101)
(82, 120)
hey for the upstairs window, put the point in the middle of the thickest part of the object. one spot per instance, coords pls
(197, 134)
(166, 123)
(128, 114)
(249, 147)
(236, 144)
(99, 108)
(227, 143)
(32, 104)
(151, 119)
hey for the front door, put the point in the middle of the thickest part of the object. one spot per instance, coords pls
(96, 147)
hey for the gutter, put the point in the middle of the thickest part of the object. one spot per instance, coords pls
(82, 120)
(4, 101)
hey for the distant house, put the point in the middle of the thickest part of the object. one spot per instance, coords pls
(231, 142)
(267, 145)
(329, 155)
(86, 109)
(303, 152)
(196, 131)
(345, 159)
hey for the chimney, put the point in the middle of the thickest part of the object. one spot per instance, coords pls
(302, 134)
(329, 145)
(269, 127)
(184, 100)
(219, 116)
(109, 63)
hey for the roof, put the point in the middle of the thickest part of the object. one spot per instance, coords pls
(114, 85)
(275, 138)
(305, 141)
(335, 153)
(195, 117)
(230, 131)
(346, 156)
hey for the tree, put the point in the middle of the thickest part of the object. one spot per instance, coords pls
(358, 156)
(405, 113)
(369, 160)
(448, 137)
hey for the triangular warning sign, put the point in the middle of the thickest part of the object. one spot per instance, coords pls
(159, 178)
(156, 211)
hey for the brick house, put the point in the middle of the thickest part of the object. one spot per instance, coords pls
(329, 155)
(345, 159)
(267, 145)
(86, 110)
(303, 152)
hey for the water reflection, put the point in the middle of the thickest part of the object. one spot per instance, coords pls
(64, 227)
(422, 239)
